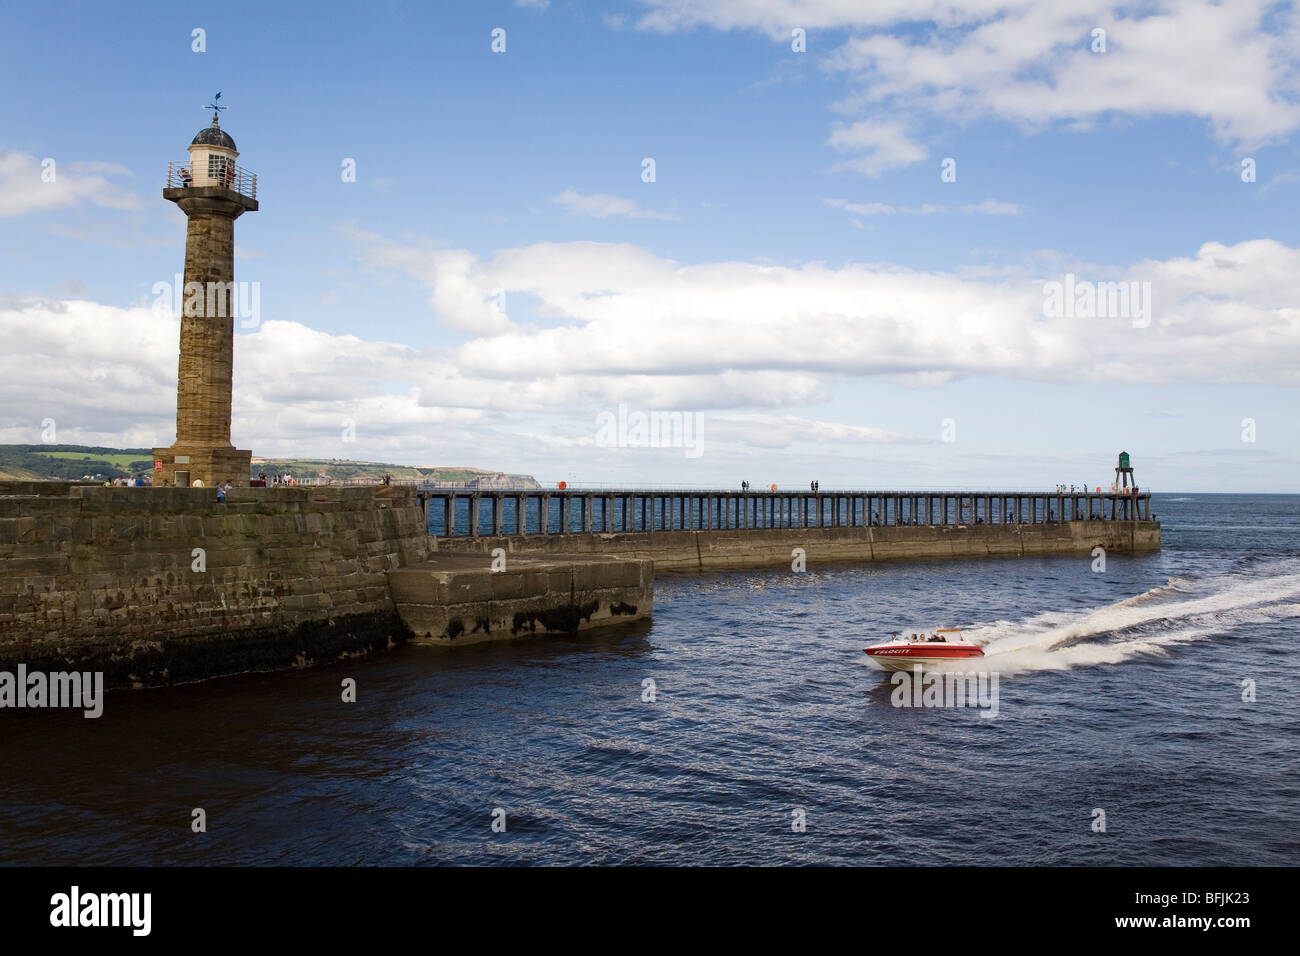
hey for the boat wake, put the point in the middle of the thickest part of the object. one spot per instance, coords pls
(1149, 624)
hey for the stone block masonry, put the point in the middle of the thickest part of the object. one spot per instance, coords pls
(717, 550)
(202, 451)
(96, 578)
(459, 599)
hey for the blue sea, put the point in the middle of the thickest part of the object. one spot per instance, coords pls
(1155, 697)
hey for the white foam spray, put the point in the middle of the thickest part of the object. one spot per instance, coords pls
(1147, 624)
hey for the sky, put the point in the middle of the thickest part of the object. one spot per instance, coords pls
(834, 240)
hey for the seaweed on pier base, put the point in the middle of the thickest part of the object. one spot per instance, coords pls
(566, 618)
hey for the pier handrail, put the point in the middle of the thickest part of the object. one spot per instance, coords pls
(240, 180)
(651, 489)
(425, 485)
(707, 509)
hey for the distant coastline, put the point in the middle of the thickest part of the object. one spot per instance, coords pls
(99, 463)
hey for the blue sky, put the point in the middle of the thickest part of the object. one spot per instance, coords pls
(797, 277)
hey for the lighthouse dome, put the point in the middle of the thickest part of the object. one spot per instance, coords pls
(214, 135)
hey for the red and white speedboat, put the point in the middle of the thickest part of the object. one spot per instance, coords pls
(937, 647)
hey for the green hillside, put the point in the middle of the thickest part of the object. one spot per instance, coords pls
(73, 462)
(338, 468)
(70, 462)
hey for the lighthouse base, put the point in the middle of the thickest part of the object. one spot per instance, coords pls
(183, 465)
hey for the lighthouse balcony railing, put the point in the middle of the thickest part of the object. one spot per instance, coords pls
(180, 176)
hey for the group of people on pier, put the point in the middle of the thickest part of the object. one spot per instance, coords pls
(280, 480)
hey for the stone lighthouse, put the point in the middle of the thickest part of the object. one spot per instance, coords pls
(213, 192)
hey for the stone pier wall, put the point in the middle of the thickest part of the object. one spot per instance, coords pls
(98, 578)
(460, 599)
(770, 547)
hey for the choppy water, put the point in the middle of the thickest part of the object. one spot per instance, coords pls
(1120, 690)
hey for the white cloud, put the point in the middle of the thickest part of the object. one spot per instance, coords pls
(1234, 65)
(602, 206)
(785, 431)
(989, 207)
(24, 189)
(881, 145)
(463, 297)
(747, 344)
(1225, 314)
(862, 208)
(776, 17)
(92, 166)
(992, 207)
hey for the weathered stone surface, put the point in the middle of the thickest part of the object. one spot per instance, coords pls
(113, 584)
(206, 365)
(458, 599)
(291, 576)
(747, 548)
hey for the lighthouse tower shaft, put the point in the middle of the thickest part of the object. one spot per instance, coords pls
(209, 303)
(212, 192)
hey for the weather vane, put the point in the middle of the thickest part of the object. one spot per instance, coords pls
(216, 108)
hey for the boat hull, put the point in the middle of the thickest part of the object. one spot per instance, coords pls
(905, 657)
